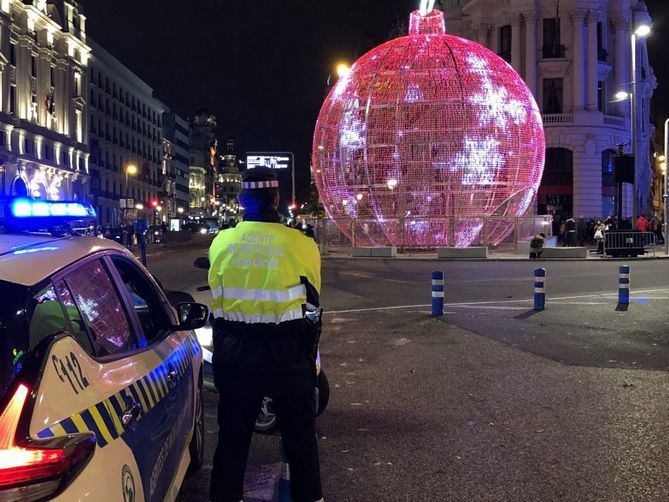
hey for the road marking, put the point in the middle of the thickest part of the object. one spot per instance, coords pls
(364, 275)
(493, 302)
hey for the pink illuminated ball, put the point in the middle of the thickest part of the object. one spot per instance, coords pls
(424, 138)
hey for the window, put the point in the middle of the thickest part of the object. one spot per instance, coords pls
(77, 84)
(505, 42)
(601, 51)
(145, 300)
(12, 54)
(46, 316)
(77, 325)
(53, 75)
(12, 99)
(552, 47)
(552, 95)
(601, 97)
(101, 309)
(33, 66)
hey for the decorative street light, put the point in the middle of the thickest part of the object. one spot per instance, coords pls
(130, 170)
(641, 30)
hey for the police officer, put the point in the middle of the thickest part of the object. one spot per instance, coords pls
(264, 277)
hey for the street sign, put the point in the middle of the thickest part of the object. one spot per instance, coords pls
(273, 160)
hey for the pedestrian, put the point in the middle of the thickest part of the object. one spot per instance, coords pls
(600, 230)
(264, 278)
(562, 236)
(570, 229)
(642, 223)
(537, 246)
(131, 237)
(163, 232)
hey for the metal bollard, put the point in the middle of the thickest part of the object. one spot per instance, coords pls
(624, 284)
(437, 293)
(284, 479)
(539, 290)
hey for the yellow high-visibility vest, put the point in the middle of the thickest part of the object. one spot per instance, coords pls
(255, 271)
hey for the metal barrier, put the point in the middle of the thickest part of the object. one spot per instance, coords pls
(628, 243)
(346, 232)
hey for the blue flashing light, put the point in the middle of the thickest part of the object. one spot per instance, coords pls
(27, 208)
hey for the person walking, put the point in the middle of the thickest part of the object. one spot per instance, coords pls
(600, 230)
(570, 229)
(264, 278)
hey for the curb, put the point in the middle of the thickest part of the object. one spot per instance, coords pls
(491, 259)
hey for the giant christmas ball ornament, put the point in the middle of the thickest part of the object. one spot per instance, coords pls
(430, 140)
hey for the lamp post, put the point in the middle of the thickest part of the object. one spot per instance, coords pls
(130, 170)
(641, 31)
(666, 185)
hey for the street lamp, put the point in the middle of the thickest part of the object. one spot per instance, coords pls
(342, 69)
(641, 30)
(666, 186)
(130, 170)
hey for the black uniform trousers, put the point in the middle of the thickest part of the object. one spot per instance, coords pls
(252, 361)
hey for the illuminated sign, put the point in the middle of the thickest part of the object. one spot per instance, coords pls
(271, 160)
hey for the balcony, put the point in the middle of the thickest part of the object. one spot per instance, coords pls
(558, 118)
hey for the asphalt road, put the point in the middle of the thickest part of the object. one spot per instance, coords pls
(490, 402)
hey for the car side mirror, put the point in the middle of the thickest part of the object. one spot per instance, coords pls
(202, 262)
(192, 315)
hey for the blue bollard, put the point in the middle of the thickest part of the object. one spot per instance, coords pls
(539, 289)
(437, 293)
(624, 284)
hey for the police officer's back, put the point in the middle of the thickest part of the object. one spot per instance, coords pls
(263, 276)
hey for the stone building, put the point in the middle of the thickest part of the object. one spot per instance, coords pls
(44, 57)
(575, 56)
(125, 130)
(203, 163)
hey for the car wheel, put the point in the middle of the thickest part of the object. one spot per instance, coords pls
(323, 392)
(196, 447)
(266, 421)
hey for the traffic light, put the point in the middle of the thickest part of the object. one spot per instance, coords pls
(154, 203)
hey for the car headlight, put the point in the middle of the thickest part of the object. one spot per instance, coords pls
(203, 230)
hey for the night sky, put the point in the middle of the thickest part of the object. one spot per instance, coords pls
(262, 67)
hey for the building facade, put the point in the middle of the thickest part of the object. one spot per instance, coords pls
(175, 144)
(44, 57)
(125, 130)
(228, 182)
(574, 55)
(203, 163)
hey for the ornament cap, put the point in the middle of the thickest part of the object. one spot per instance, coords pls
(430, 23)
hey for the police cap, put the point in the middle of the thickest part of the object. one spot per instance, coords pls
(260, 178)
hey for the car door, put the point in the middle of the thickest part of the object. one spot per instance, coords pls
(172, 425)
(89, 382)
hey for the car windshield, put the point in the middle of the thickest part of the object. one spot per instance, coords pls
(14, 340)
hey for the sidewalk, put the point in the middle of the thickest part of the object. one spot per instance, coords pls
(493, 255)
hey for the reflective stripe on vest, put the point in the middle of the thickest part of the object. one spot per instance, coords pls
(264, 295)
(289, 315)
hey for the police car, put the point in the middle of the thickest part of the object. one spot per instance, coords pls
(100, 377)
